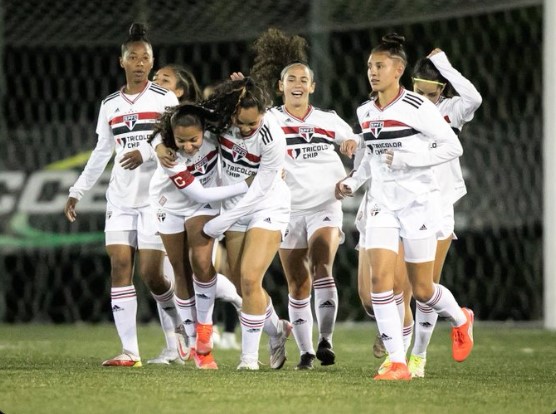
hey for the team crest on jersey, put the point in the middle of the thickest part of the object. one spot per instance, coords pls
(306, 133)
(201, 165)
(131, 120)
(238, 152)
(375, 209)
(376, 127)
(294, 152)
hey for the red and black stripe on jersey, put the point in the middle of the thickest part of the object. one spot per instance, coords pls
(296, 136)
(205, 165)
(385, 129)
(135, 122)
(236, 154)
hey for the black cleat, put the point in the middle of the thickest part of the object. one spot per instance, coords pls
(306, 361)
(325, 354)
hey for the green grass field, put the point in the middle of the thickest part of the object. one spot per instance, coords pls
(56, 369)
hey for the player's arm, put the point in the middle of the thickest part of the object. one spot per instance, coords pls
(193, 189)
(470, 97)
(446, 145)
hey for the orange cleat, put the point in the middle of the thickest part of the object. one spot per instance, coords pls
(204, 338)
(125, 359)
(462, 337)
(396, 372)
(205, 361)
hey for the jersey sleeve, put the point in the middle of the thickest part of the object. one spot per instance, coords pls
(445, 145)
(193, 189)
(98, 160)
(344, 132)
(470, 100)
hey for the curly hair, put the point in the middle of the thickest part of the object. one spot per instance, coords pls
(229, 97)
(274, 50)
(183, 115)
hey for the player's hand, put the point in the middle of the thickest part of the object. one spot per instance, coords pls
(250, 179)
(166, 156)
(69, 209)
(131, 160)
(434, 52)
(348, 147)
(388, 157)
(342, 191)
(237, 76)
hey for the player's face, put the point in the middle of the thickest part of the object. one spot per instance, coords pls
(383, 71)
(188, 139)
(166, 77)
(137, 62)
(430, 90)
(297, 85)
(248, 120)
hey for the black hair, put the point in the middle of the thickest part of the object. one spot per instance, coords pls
(275, 50)
(137, 33)
(425, 69)
(232, 95)
(186, 81)
(183, 115)
(392, 44)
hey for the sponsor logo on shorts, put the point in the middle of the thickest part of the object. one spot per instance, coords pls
(161, 215)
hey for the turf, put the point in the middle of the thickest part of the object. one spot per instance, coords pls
(56, 369)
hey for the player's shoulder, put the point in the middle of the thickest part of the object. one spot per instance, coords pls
(157, 89)
(364, 107)
(111, 97)
(413, 99)
(329, 112)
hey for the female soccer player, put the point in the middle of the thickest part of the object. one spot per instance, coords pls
(183, 207)
(182, 82)
(406, 136)
(253, 224)
(312, 169)
(436, 79)
(126, 119)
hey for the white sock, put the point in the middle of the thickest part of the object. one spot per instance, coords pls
(301, 318)
(399, 303)
(326, 306)
(188, 314)
(168, 328)
(425, 321)
(167, 323)
(444, 303)
(272, 321)
(407, 335)
(166, 301)
(124, 309)
(389, 324)
(226, 291)
(205, 293)
(251, 331)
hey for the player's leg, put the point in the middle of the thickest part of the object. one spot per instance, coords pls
(296, 269)
(260, 247)
(323, 245)
(204, 284)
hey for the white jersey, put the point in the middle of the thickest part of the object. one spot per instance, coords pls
(167, 183)
(262, 154)
(124, 124)
(457, 111)
(313, 167)
(414, 130)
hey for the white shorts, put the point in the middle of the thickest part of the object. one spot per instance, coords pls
(170, 223)
(134, 227)
(415, 224)
(303, 225)
(447, 223)
(269, 219)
